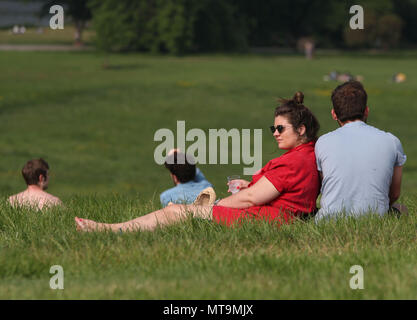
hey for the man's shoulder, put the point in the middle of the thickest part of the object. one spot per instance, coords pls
(53, 198)
(344, 131)
(393, 137)
(376, 130)
(45, 195)
(38, 199)
(170, 191)
(201, 183)
(17, 196)
(13, 198)
(174, 194)
(384, 135)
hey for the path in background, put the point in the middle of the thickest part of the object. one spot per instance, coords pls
(43, 47)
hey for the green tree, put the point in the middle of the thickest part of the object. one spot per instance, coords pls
(76, 9)
(407, 10)
(382, 28)
(218, 26)
(123, 25)
(183, 26)
(173, 26)
(389, 30)
(284, 22)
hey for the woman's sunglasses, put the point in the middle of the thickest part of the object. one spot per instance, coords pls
(279, 127)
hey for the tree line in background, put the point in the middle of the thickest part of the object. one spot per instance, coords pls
(189, 26)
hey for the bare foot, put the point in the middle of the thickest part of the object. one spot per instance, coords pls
(85, 225)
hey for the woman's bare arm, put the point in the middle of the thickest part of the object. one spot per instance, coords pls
(263, 191)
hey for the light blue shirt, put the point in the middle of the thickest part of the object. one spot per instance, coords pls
(357, 162)
(185, 192)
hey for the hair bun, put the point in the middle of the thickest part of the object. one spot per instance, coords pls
(298, 97)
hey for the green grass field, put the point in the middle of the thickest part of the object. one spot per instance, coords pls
(93, 117)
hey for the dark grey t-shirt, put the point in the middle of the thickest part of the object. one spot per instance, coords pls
(357, 162)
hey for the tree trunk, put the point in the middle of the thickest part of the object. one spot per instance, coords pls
(79, 28)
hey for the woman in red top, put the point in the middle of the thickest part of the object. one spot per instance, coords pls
(285, 188)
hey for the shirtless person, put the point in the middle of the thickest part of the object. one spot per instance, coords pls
(35, 173)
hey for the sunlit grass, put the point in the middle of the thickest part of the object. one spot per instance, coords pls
(93, 118)
(198, 259)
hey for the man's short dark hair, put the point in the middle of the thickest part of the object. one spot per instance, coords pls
(33, 169)
(349, 101)
(180, 165)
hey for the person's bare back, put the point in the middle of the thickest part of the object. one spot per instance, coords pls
(35, 173)
(34, 198)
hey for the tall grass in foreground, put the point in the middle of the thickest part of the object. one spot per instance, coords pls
(198, 259)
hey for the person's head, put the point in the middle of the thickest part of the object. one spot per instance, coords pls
(294, 123)
(181, 167)
(35, 172)
(349, 102)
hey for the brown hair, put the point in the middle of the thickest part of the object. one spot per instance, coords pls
(33, 169)
(349, 101)
(298, 115)
(181, 165)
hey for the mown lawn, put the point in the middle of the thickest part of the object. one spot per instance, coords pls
(93, 118)
(201, 260)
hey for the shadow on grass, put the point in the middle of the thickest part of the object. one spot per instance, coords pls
(107, 66)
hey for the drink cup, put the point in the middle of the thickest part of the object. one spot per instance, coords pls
(233, 183)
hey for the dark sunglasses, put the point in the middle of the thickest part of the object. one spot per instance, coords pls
(279, 127)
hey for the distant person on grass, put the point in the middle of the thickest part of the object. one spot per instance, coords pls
(286, 188)
(35, 172)
(360, 165)
(189, 181)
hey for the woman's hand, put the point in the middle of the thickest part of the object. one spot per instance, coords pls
(239, 183)
(262, 192)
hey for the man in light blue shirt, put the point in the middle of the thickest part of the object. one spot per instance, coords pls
(360, 165)
(189, 181)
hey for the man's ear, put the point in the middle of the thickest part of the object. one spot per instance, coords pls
(174, 178)
(334, 116)
(41, 180)
(365, 114)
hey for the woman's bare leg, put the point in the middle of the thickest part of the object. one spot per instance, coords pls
(165, 216)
